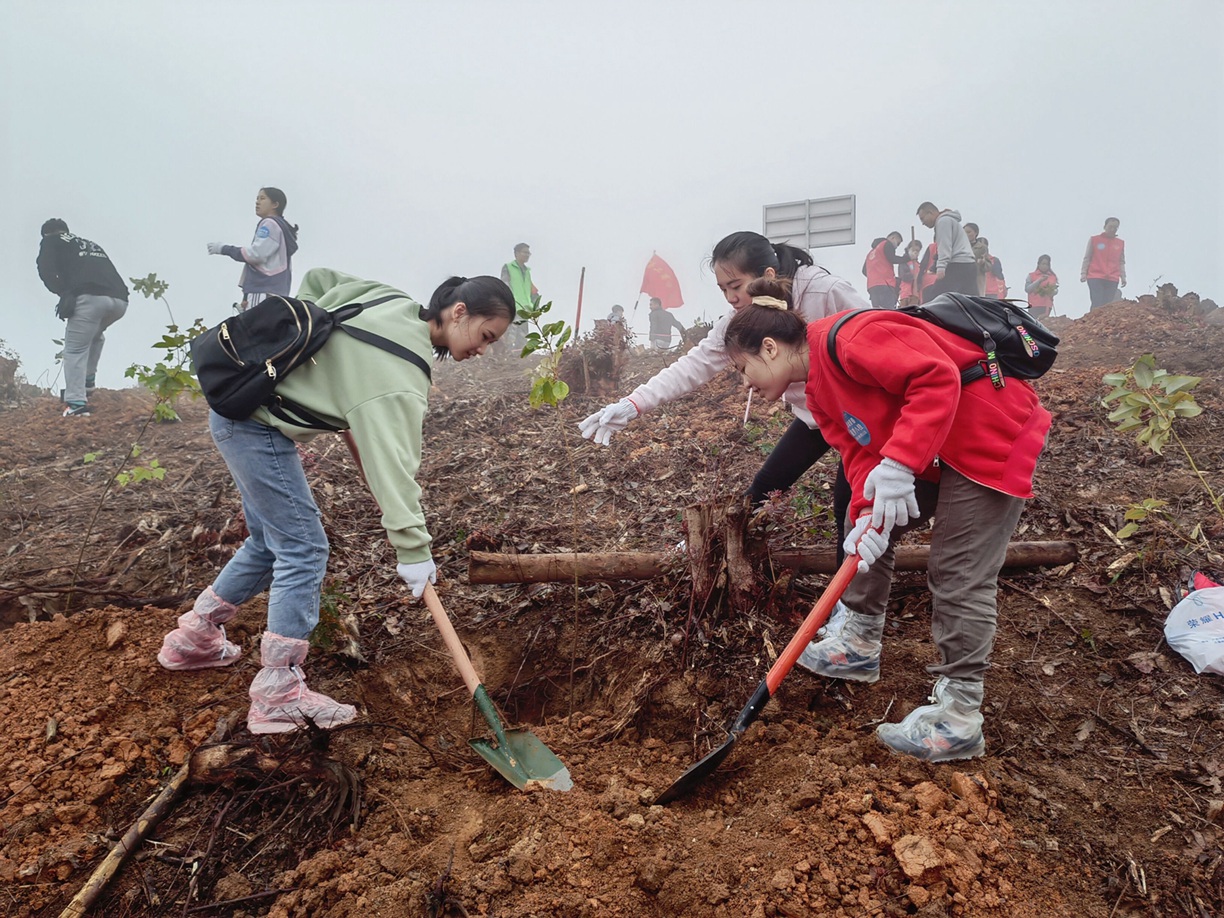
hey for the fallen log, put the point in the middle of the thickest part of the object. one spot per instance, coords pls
(594, 567)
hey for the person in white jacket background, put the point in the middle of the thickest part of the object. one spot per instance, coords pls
(815, 293)
(268, 259)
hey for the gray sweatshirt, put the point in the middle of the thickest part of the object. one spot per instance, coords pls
(951, 241)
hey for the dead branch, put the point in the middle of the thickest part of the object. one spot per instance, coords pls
(594, 567)
(135, 836)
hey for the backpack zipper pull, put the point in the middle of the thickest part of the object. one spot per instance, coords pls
(1029, 343)
(271, 370)
(995, 371)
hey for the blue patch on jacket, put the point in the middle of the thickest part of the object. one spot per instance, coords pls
(857, 428)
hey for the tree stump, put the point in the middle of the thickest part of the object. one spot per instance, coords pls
(723, 555)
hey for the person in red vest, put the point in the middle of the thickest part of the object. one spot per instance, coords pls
(880, 273)
(993, 284)
(926, 272)
(907, 292)
(1041, 286)
(1104, 266)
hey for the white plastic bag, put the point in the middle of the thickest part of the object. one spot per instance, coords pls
(1195, 629)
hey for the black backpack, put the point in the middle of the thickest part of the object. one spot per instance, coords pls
(1015, 343)
(240, 361)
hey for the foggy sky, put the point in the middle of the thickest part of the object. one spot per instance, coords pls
(416, 140)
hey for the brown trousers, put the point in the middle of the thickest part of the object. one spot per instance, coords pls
(969, 537)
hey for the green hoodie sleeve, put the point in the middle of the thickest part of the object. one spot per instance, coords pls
(390, 463)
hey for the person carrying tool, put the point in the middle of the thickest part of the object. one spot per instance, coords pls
(380, 400)
(916, 444)
(738, 260)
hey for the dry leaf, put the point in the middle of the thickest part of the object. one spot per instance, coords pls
(1085, 730)
(1144, 661)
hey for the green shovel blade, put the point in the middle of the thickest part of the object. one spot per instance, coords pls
(518, 755)
(525, 761)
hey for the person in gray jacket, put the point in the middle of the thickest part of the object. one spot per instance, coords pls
(956, 270)
(92, 297)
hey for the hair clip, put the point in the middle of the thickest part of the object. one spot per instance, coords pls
(771, 301)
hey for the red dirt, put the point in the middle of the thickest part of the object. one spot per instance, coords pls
(1100, 794)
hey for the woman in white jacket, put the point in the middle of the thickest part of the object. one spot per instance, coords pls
(815, 293)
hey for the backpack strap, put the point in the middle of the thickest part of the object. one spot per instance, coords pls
(390, 347)
(298, 415)
(291, 412)
(968, 375)
(831, 341)
(344, 313)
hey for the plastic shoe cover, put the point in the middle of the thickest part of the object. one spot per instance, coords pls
(837, 620)
(280, 700)
(196, 644)
(853, 653)
(949, 729)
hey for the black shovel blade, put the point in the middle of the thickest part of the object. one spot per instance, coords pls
(698, 772)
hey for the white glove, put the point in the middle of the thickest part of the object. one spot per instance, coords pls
(866, 542)
(890, 486)
(214, 248)
(417, 575)
(590, 425)
(613, 418)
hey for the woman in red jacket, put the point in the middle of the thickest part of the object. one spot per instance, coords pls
(916, 445)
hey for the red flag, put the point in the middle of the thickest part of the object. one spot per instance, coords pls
(660, 280)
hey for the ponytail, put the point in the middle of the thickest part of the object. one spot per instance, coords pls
(483, 296)
(753, 254)
(756, 322)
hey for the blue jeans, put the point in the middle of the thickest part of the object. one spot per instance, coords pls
(286, 552)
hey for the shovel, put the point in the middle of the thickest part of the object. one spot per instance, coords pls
(816, 618)
(518, 755)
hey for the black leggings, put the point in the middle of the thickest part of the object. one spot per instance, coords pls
(793, 455)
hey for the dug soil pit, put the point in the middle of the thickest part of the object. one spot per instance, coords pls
(1100, 794)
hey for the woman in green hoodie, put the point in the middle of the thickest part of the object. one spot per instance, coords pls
(380, 400)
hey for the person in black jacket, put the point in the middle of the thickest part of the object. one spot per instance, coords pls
(92, 297)
(661, 324)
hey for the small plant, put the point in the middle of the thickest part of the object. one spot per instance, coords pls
(1138, 513)
(549, 338)
(171, 377)
(150, 471)
(330, 632)
(1147, 400)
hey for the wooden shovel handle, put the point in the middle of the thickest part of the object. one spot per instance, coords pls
(451, 639)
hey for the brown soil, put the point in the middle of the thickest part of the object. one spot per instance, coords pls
(1100, 794)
